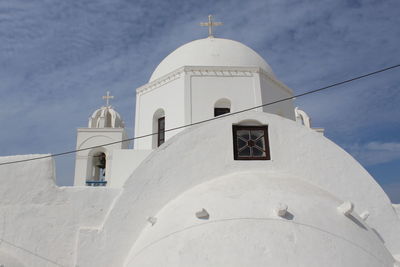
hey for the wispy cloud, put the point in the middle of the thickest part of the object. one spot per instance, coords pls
(375, 152)
(393, 191)
(57, 58)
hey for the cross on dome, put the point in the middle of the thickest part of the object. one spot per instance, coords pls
(210, 25)
(107, 97)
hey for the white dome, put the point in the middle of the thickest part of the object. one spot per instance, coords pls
(240, 227)
(106, 117)
(211, 52)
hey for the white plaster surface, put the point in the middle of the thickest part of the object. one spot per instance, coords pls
(244, 91)
(397, 209)
(9, 260)
(95, 137)
(45, 225)
(211, 52)
(272, 91)
(170, 98)
(39, 221)
(150, 220)
(297, 152)
(244, 230)
(188, 82)
(189, 95)
(125, 161)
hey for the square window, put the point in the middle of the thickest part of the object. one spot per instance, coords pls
(250, 142)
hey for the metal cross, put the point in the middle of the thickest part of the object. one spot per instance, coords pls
(210, 25)
(107, 97)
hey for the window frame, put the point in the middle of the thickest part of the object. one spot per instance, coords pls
(160, 141)
(218, 110)
(236, 128)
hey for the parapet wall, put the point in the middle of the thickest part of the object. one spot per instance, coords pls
(39, 221)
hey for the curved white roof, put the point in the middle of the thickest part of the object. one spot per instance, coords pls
(211, 52)
(203, 154)
(239, 226)
(106, 117)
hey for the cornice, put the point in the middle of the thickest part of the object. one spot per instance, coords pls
(101, 130)
(172, 76)
(221, 71)
(211, 71)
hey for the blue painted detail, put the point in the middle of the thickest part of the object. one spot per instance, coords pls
(96, 183)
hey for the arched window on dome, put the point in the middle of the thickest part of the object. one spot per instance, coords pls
(97, 169)
(158, 128)
(222, 106)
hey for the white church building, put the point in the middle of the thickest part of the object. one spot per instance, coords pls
(234, 189)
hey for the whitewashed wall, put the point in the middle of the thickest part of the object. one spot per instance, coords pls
(44, 225)
(92, 137)
(243, 228)
(188, 95)
(272, 90)
(204, 153)
(124, 163)
(170, 97)
(39, 221)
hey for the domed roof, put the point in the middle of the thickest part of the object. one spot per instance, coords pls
(211, 52)
(106, 117)
(233, 220)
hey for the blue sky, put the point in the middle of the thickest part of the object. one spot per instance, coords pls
(57, 58)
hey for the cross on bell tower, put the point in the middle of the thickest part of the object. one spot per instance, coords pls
(96, 143)
(210, 25)
(107, 98)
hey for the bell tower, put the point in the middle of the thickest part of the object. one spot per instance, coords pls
(93, 161)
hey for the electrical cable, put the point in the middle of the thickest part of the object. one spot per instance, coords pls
(211, 119)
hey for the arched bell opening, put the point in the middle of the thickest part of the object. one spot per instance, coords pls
(97, 169)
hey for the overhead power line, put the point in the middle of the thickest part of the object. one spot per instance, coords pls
(211, 119)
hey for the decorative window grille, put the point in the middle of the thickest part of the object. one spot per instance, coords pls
(251, 142)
